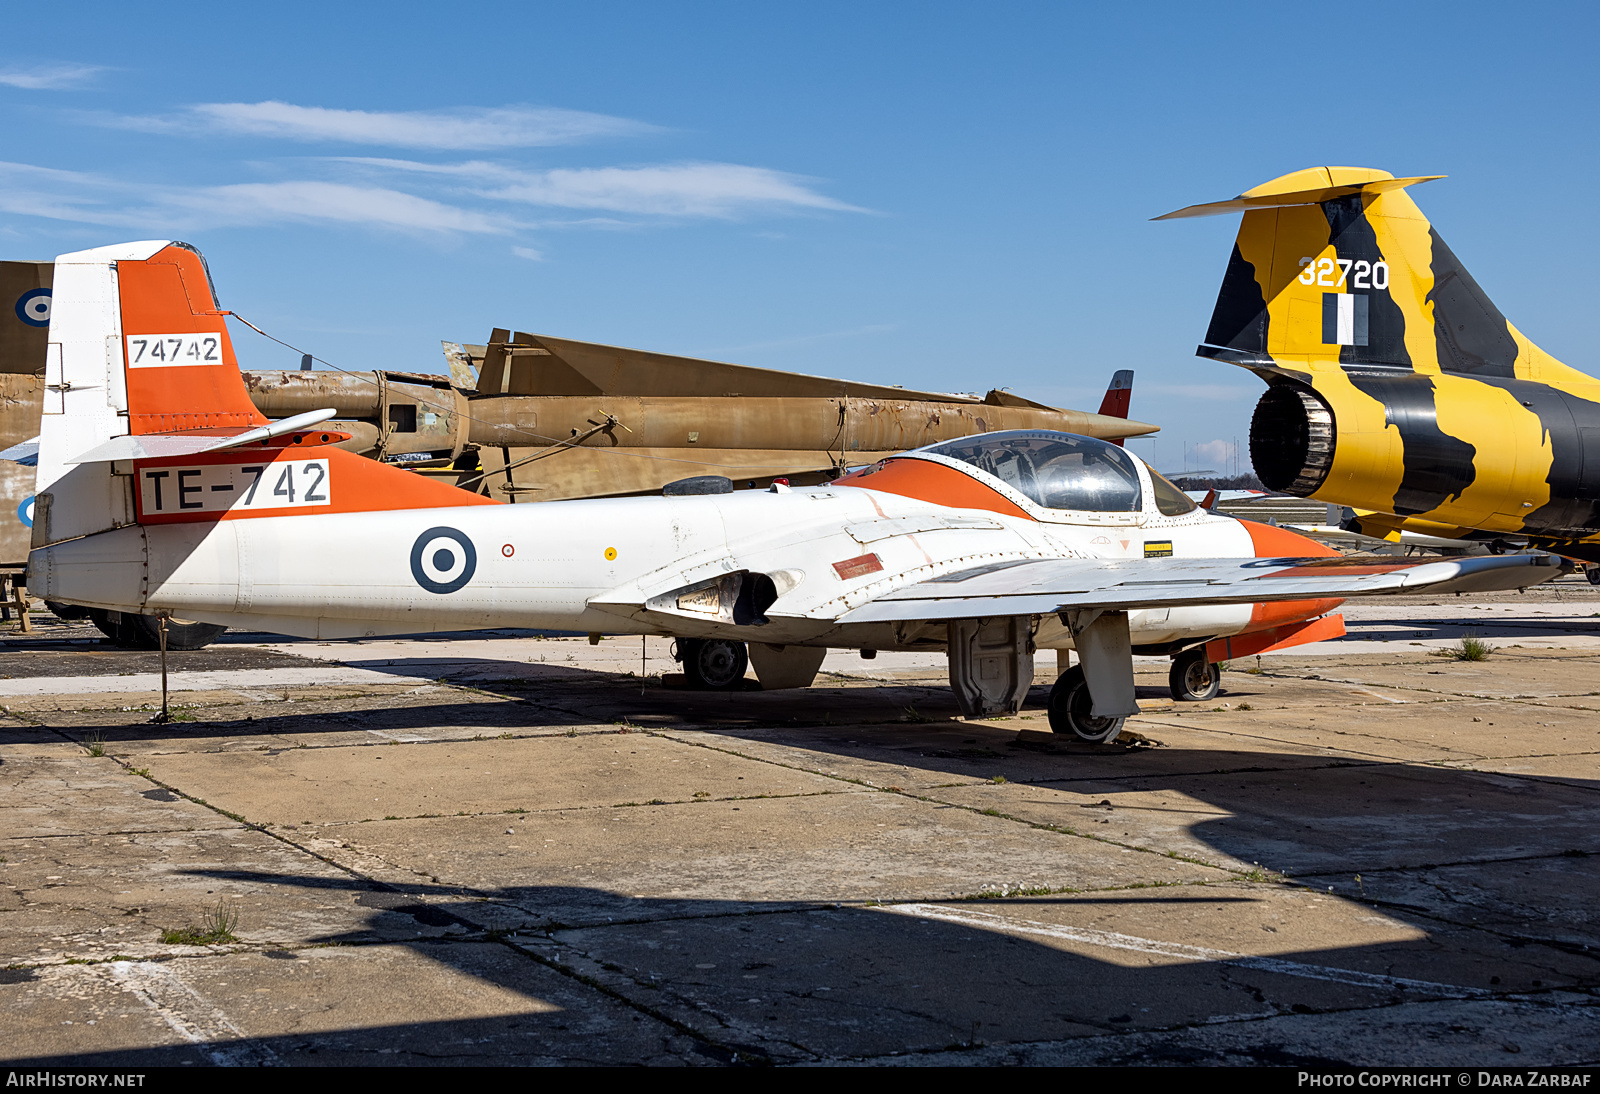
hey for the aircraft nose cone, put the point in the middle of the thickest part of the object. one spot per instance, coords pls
(1273, 542)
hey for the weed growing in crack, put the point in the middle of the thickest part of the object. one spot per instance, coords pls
(216, 926)
(1470, 648)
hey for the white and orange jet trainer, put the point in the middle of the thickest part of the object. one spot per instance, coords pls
(162, 491)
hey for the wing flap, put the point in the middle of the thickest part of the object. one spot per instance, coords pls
(1044, 586)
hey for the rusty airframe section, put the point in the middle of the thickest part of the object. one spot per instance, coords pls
(24, 334)
(529, 418)
(526, 418)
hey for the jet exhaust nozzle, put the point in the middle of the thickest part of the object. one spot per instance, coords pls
(1292, 439)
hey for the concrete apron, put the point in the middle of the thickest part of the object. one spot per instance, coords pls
(1333, 862)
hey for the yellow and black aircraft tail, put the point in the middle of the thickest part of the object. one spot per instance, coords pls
(1395, 384)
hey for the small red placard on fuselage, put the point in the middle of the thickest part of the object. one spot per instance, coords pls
(860, 566)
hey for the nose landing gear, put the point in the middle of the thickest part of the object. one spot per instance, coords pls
(1193, 679)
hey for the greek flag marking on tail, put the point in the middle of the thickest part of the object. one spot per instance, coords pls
(1344, 319)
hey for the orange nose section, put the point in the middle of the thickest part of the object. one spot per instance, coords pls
(1272, 542)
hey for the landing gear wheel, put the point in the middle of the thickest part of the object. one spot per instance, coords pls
(716, 664)
(66, 611)
(1593, 574)
(143, 632)
(1070, 706)
(1193, 679)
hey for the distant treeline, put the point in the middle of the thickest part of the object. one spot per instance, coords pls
(1218, 482)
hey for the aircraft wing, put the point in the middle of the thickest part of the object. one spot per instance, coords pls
(1045, 586)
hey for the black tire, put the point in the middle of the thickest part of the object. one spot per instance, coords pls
(1193, 679)
(1593, 574)
(66, 611)
(143, 632)
(714, 664)
(1069, 709)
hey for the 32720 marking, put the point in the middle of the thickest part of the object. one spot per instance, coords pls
(1332, 273)
(216, 488)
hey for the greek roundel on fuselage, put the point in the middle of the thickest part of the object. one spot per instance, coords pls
(443, 560)
(33, 307)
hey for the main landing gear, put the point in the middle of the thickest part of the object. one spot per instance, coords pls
(1070, 710)
(143, 632)
(713, 664)
(1193, 679)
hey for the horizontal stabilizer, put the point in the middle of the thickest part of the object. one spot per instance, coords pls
(24, 452)
(153, 446)
(1312, 186)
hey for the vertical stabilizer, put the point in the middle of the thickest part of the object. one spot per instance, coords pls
(1338, 265)
(1119, 397)
(85, 396)
(1119, 394)
(137, 345)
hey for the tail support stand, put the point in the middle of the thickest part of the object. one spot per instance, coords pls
(21, 594)
(163, 718)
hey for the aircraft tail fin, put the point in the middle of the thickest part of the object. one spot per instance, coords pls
(145, 410)
(1338, 265)
(1119, 396)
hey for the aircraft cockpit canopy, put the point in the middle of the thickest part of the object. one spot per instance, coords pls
(1056, 470)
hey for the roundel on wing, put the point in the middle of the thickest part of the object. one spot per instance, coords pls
(443, 560)
(33, 307)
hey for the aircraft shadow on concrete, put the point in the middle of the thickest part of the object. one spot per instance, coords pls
(766, 982)
(1498, 874)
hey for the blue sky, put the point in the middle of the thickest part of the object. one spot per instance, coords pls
(934, 195)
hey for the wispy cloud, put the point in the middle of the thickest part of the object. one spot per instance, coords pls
(49, 77)
(478, 196)
(1216, 453)
(92, 199)
(683, 189)
(715, 190)
(529, 253)
(466, 128)
(276, 202)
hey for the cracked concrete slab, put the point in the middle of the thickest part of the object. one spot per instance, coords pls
(436, 1002)
(790, 899)
(584, 866)
(377, 781)
(1431, 1034)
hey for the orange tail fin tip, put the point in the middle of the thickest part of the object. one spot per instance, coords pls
(168, 414)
